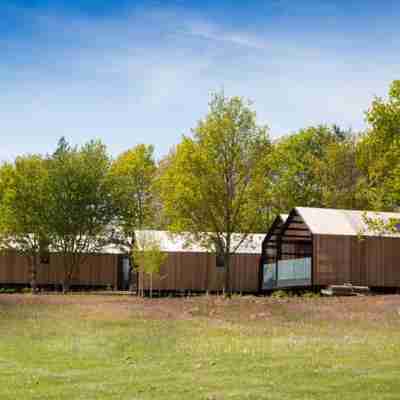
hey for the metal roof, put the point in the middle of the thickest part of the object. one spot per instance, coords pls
(327, 221)
(171, 242)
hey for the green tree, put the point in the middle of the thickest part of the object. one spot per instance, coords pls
(149, 257)
(80, 204)
(215, 182)
(300, 164)
(132, 175)
(339, 175)
(379, 152)
(24, 200)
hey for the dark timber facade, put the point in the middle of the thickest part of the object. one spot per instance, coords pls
(320, 247)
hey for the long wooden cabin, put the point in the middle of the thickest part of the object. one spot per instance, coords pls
(97, 271)
(317, 247)
(187, 268)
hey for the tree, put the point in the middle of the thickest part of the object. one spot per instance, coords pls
(149, 257)
(24, 200)
(339, 175)
(80, 204)
(379, 152)
(301, 168)
(132, 175)
(214, 183)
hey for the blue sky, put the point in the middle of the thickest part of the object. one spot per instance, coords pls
(131, 72)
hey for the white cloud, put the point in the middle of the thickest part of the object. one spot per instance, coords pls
(216, 33)
(147, 77)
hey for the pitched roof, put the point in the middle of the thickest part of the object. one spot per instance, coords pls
(327, 221)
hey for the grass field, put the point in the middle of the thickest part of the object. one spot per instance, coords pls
(109, 347)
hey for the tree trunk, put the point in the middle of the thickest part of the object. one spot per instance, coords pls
(151, 285)
(34, 286)
(227, 262)
(66, 284)
(71, 266)
(140, 282)
(34, 275)
(32, 263)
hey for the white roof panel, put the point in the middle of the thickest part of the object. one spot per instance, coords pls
(171, 242)
(327, 221)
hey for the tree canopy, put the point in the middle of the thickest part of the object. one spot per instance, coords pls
(379, 152)
(215, 182)
(80, 205)
(132, 177)
(24, 200)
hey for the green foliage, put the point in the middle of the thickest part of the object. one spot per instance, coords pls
(80, 206)
(148, 256)
(281, 294)
(8, 290)
(380, 226)
(147, 253)
(24, 196)
(379, 152)
(132, 179)
(214, 183)
(339, 176)
(310, 295)
(24, 202)
(315, 167)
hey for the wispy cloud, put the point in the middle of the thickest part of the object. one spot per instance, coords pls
(145, 76)
(217, 33)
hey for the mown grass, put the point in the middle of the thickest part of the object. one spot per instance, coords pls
(66, 351)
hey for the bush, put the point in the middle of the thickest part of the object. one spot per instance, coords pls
(310, 295)
(7, 290)
(281, 294)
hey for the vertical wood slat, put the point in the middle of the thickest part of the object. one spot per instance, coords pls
(96, 270)
(198, 272)
(372, 261)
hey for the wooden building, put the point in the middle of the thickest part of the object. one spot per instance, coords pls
(187, 268)
(98, 270)
(317, 247)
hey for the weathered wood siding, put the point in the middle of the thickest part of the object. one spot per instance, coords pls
(97, 270)
(373, 261)
(198, 272)
(182, 271)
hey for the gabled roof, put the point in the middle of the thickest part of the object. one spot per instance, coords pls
(327, 221)
(275, 227)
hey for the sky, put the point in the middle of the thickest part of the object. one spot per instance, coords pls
(130, 72)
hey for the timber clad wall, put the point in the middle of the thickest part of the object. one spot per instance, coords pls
(198, 272)
(97, 270)
(182, 271)
(373, 261)
(339, 255)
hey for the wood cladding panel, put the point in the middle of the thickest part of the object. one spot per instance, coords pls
(371, 261)
(101, 269)
(198, 272)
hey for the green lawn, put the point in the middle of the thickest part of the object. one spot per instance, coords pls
(108, 347)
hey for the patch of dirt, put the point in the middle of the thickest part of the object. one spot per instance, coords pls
(239, 308)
